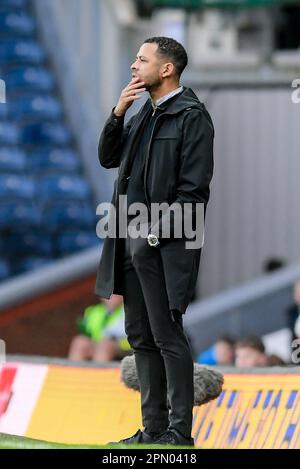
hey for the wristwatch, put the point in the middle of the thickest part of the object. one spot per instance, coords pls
(152, 240)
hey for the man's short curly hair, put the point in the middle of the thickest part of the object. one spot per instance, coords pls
(170, 49)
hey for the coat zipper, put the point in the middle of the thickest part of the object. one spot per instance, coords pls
(148, 153)
(149, 147)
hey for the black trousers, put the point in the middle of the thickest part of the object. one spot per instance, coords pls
(162, 352)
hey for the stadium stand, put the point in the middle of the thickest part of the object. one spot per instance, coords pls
(46, 203)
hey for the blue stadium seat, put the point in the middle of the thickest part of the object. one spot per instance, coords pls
(14, 4)
(26, 243)
(21, 51)
(31, 263)
(13, 186)
(68, 215)
(12, 159)
(9, 133)
(72, 241)
(41, 107)
(63, 187)
(16, 23)
(53, 159)
(19, 214)
(5, 270)
(46, 133)
(3, 111)
(29, 79)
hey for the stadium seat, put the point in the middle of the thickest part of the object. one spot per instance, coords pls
(26, 243)
(9, 133)
(46, 133)
(12, 159)
(69, 242)
(68, 214)
(19, 214)
(16, 23)
(53, 159)
(29, 79)
(13, 186)
(21, 51)
(63, 187)
(5, 270)
(3, 111)
(11, 4)
(39, 107)
(30, 263)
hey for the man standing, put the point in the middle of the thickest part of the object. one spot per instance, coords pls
(165, 155)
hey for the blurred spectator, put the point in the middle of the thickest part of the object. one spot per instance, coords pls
(250, 352)
(102, 335)
(297, 327)
(221, 353)
(293, 313)
(275, 360)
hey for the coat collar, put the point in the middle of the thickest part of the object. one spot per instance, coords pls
(186, 99)
(166, 97)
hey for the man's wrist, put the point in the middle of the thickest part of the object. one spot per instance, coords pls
(117, 114)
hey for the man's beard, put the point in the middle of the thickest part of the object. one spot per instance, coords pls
(153, 85)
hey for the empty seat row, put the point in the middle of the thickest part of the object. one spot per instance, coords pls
(32, 106)
(17, 51)
(8, 269)
(16, 23)
(13, 4)
(9, 133)
(14, 159)
(50, 217)
(44, 188)
(61, 215)
(55, 159)
(53, 133)
(30, 263)
(5, 270)
(23, 243)
(28, 78)
(3, 111)
(19, 214)
(45, 133)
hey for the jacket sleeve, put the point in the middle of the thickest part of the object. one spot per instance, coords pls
(196, 168)
(112, 139)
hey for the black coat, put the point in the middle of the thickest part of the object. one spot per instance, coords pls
(178, 168)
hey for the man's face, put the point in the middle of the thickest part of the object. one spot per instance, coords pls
(247, 357)
(148, 66)
(224, 353)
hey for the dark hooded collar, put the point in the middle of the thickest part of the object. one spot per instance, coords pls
(179, 102)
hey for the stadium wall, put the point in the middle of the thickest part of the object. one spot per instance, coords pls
(253, 210)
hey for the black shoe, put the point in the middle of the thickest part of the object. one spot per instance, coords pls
(138, 438)
(173, 437)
